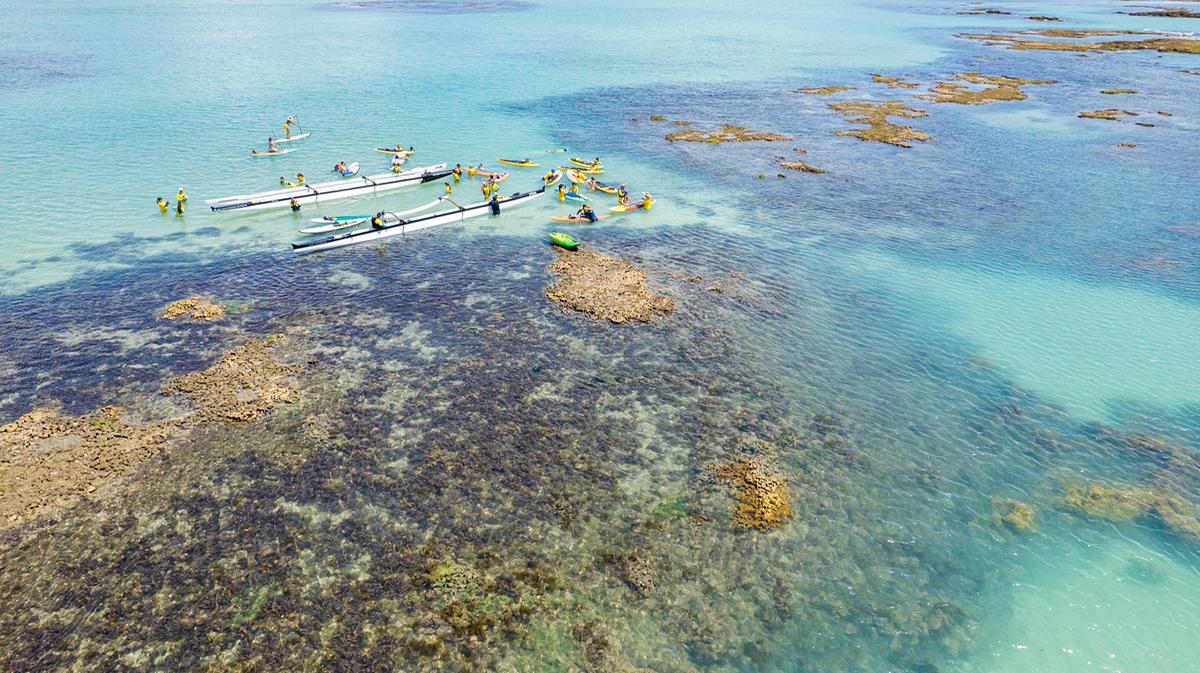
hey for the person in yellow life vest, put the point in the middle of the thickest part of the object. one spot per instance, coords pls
(283, 181)
(495, 189)
(162, 205)
(471, 171)
(646, 200)
(590, 184)
(181, 195)
(299, 179)
(295, 205)
(562, 192)
(486, 188)
(287, 126)
(449, 189)
(457, 172)
(574, 189)
(548, 177)
(377, 221)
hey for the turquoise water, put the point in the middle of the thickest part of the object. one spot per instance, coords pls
(997, 313)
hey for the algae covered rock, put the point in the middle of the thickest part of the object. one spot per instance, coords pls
(728, 133)
(1111, 114)
(245, 383)
(1118, 503)
(762, 498)
(197, 307)
(605, 287)
(1014, 515)
(995, 88)
(879, 129)
(823, 90)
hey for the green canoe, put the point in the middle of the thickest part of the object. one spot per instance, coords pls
(562, 240)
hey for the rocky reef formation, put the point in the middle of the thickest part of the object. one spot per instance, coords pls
(1013, 514)
(728, 133)
(1114, 92)
(246, 382)
(823, 90)
(197, 307)
(1157, 42)
(49, 461)
(1111, 114)
(996, 88)
(762, 497)
(879, 129)
(604, 287)
(801, 166)
(1170, 13)
(1120, 502)
(893, 81)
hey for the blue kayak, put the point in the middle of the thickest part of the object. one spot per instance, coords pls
(576, 197)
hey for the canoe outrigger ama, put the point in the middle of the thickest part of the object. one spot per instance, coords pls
(329, 191)
(401, 226)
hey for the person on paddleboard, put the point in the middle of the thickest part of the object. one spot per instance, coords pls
(287, 126)
(646, 200)
(562, 192)
(623, 195)
(271, 149)
(586, 213)
(573, 189)
(163, 205)
(591, 184)
(548, 176)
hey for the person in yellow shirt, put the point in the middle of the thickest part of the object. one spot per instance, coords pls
(562, 192)
(287, 126)
(162, 205)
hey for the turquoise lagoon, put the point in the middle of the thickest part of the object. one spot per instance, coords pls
(918, 333)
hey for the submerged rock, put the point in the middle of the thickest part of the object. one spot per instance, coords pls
(1119, 503)
(1172, 13)
(823, 90)
(762, 498)
(245, 383)
(49, 461)
(880, 130)
(1113, 92)
(658, 118)
(196, 307)
(996, 88)
(1043, 18)
(728, 133)
(801, 166)
(1014, 514)
(604, 287)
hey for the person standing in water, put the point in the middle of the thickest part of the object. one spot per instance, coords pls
(562, 192)
(181, 196)
(457, 172)
(179, 209)
(295, 206)
(163, 205)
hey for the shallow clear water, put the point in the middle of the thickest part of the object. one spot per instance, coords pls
(997, 313)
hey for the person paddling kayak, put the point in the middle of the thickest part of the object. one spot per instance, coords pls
(586, 213)
(623, 195)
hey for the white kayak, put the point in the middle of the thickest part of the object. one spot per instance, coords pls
(300, 136)
(351, 170)
(336, 225)
(256, 153)
(403, 226)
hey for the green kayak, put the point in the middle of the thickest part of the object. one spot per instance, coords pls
(562, 240)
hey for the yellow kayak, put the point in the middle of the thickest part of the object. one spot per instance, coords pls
(585, 164)
(585, 171)
(630, 207)
(513, 162)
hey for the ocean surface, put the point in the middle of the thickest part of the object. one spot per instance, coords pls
(916, 339)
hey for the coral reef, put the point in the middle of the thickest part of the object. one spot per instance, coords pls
(996, 88)
(246, 382)
(1106, 113)
(875, 116)
(801, 166)
(1172, 13)
(1158, 43)
(1014, 514)
(1120, 502)
(893, 81)
(604, 287)
(197, 307)
(823, 90)
(49, 461)
(1113, 92)
(762, 498)
(728, 133)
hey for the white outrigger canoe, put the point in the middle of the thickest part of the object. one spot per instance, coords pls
(346, 222)
(364, 185)
(402, 226)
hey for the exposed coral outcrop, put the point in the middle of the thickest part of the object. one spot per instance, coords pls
(246, 382)
(1158, 43)
(1107, 113)
(1113, 92)
(893, 81)
(996, 88)
(823, 90)
(196, 307)
(49, 461)
(875, 116)
(728, 133)
(762, 498)
(604, 287)
(801, 166)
